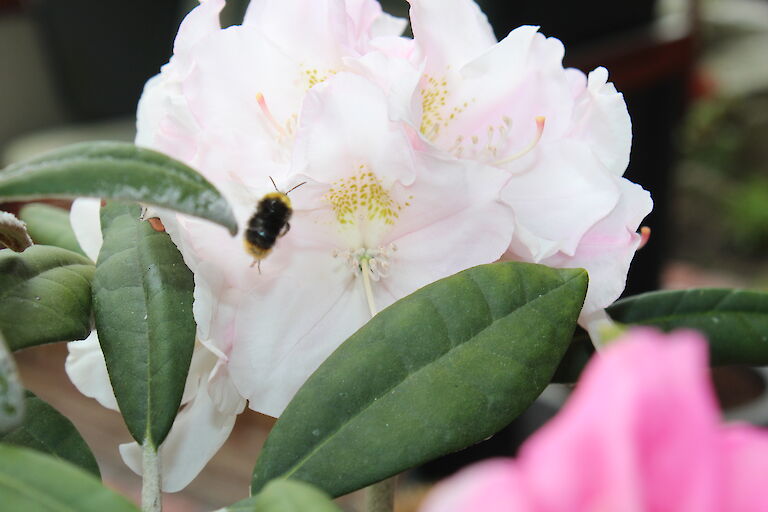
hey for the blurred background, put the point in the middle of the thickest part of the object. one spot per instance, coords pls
(695, 77)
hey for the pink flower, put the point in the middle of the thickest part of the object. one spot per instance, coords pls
(640, 433)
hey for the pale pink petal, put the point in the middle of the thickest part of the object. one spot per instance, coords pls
(387, 25)
(369, 20)
(559, 192)
(744, 469)
(397, 77)
(286, 328)
(490, 486)
(249, 118)
(85, 218)
(87, 370)
(310, 31)
(639, 433)
(607, 249)
(450, 32)
(197, 434)
(201, 21)
(601, 119)
(345, 124)
(435, 239)
(506, 89)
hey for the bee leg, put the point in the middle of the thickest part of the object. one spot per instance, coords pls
(285, 229)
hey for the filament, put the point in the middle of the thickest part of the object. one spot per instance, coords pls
(366, 271)
(540, 121)
(268, 114)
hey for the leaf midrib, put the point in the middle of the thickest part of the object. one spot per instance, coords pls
(43, 166)
(319, 446)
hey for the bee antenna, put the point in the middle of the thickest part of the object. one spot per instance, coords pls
(297, 186)
(273, 183)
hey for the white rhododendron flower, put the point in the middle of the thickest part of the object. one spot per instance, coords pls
(416, 159)
(563, 138)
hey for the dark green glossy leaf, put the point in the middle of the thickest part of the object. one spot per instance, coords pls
(734, 321)
(45, 296)
(49, 225)
(142, 302)
(435, 372)
(11, 391)
(34, 482)
(116, 170)
(47, 430)
(13, 233)
(286, 496)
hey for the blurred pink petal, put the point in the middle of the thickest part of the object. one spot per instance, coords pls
(640, 433)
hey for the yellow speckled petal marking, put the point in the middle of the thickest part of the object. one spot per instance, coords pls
(362, 197)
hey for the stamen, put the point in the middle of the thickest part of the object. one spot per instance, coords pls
(540, 121)
(268, 114)
(645, 235)
(367, 286)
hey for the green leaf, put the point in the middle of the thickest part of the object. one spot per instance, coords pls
(49, 225)
(435, 372)
(734, 321)
(286, 496)
(13, 233)
(142, 302)
(34, 482)
(45, 296)
(116, 170)
(47, 430)
(11, 393)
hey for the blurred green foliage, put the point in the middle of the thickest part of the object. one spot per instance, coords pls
(723, 181)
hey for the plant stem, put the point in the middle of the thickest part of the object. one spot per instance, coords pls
(151, 497)
(380, 497)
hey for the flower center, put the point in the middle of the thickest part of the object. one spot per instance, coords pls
(361, 200)
(373, 262)
(365, 212)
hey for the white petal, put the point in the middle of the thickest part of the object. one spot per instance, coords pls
(397, 77)
(200, 22)
(602, 119)
(369, 20)
(607, 249)
(197, 434)
(561, 191)
(450, 32)
(290, 323)
(312, 31)
(388, 25)
(87, 370)
(85, 218)
(345, 123)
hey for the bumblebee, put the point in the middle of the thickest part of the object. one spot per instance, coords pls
(268, 223)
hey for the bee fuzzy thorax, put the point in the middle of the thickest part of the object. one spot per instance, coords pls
(267, 224)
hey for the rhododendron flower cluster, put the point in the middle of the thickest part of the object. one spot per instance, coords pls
(422, 157)
(641, 432)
